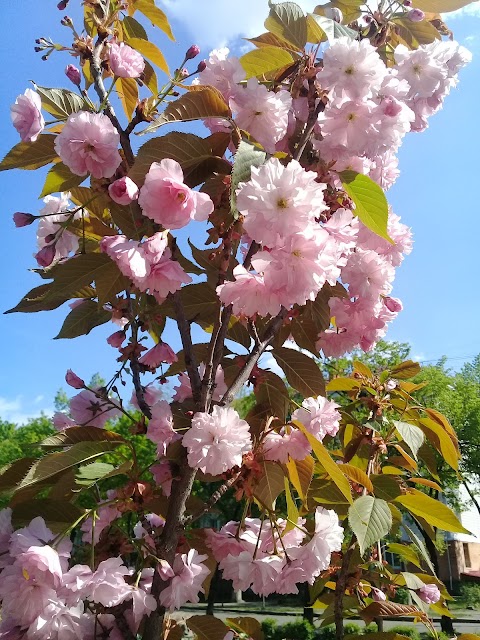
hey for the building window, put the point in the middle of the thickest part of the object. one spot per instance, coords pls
(466, 555)
(393, 560)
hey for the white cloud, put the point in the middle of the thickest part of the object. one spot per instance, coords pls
(470, 10)
(217, 23)
(19, 412)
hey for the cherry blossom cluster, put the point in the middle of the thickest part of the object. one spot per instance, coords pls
(272, 558)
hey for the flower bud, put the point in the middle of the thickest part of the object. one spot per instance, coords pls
(202, 66)
(393, 304)
(416, 15)
(50, 238)
(66, 21)
(192, 52)
(73, 74)
(334, 14)
(429, 593)
(62, 5)
(116, 339)
(123, 191)
(23, 219)
(407, 3)
(73, 380)
(46, 255)
(368, 19)
(378, 595)
(183, 73)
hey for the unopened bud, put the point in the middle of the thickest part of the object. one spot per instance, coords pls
(377, 595)
(192, 52)
(73, 74)
(45, 57)
(73, 380)
(37, 49)
(202, 66)
(46, 255)
(23, 219)
(368, 19)
(407, 3)
(62, 5)
(50, 238)
(334, 14)
(416, 15)
(183, 73)
(393, 304)
(66, 21)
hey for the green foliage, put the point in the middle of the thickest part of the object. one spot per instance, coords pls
(298, 630)
(409, 632)
(470, 593)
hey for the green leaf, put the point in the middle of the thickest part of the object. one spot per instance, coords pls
(155, 15)
(387, 609)
(151, 52)
(416, 33)
(265, 60)
(207, 627)
(196, 156)
(419, 545)
(331, 467)
(406, 552)
(343, 384)
(77, 272)
(292, 510)
(438, 438)
(74, 435)
(247, 156)
(358, 476)
(89, 474)
(31, 155)
(57, 515)
(301, 371)
(42, 299)
(405, 370)
(109, 282)
(271, 40)
(60, 102)
(287, 21)
(330, 28)
(370, 520)
(433, 511)
(197, 104)
(60, 178)
(270, 484)
(55, 463)
(133, 29)
(411, 435)
(371, 205)
(386, 486)
(82, 319)
(127, 91)
(249, 626)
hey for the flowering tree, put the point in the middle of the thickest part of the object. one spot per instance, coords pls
(299, 258)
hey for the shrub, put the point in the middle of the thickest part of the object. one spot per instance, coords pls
(471, 595)
(325, 633)
(352, 629)
(298, 630)
(410, 632)
(402, 596)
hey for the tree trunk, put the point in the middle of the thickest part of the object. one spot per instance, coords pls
(212, 592)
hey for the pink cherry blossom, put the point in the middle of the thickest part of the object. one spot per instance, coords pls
(400, 234)
(279, 201)
(37, 534)
(217, 441)
(168, 201)
(62, 421)
(429, 593)
(27, 117)
(107, 585)
(377, 595)
(187, 581)
(6, 531)
(61, 622)
(368, 274)
(123, 191)
(286, 444)
(88, 143)
(160, 428)
(73, 380)
(393, 304)
(352, 69)
(104, 517)
(423, 72)
(56, 213)
(222, 72)
(184, 391)
(162, 472)
(319, 416)
(248, 295)
(124, 61)
(23, 597)
(161, 352)
(87, 408)
(42, 563)
(75, 583)
(263, 113)
(152, 395)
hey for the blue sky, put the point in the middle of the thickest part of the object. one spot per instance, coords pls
(436, 194)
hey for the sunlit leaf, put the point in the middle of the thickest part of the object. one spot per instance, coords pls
(60, 178)
(82, 319)
(370, 520)
(433, 511)
(265, 59)
(31, 155)
(287, 20)
(371, 205)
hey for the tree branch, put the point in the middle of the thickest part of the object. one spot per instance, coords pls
(97, 73)
(186, 336)
(340, 588)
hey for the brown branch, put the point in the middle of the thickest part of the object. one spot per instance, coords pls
(268, 336)
(340, 588)
(97, 74)
(139, 391)
(214, 498)
(186, 336)
(305, 137)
